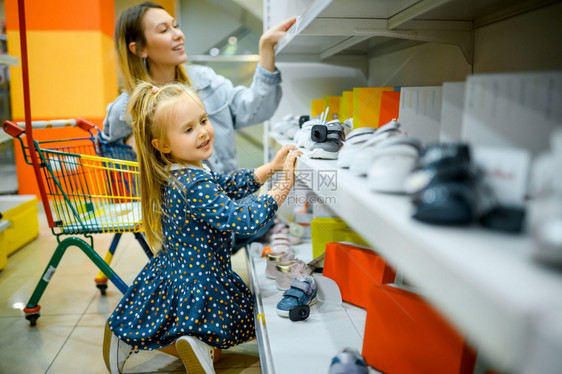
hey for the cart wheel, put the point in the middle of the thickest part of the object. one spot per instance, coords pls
(32, 313)
(102, 287)
(101, 284)
(32, 318)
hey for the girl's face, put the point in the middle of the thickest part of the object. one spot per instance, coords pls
(164, 40)
(189, 132)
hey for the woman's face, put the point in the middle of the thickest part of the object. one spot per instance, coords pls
(164, 40)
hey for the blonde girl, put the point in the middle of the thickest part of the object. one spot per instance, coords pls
(188, 294)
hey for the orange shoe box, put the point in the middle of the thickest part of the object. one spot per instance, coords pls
(390, 107)
(404, 334)
(355, 270)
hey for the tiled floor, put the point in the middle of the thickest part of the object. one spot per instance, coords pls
(68, 335)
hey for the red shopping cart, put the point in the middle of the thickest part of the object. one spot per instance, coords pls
(83, 194)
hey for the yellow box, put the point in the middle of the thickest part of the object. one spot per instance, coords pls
(20, 224)
(346, 105)
(317, 107)
(332, 102)
(326, 230)
(367, 105)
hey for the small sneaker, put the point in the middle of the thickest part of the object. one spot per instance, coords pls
(393, 160)
(303, 291)
(287, 122)
(353, 140)
(361, 159)
(302, 136)
(287, 271)
(280, 254)
(348, 361)
(115, 351)
(328, 139)
(197, 356)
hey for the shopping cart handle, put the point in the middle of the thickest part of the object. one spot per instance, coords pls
(12, 129)
(84, 124)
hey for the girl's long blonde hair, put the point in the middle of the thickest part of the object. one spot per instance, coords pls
(129, 28)
(150, 108)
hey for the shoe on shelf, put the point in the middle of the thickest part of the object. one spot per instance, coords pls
(303, 291)
(115, 351)
(280, 127)
(328, 139)
(197, 356)
(393, 160)
(279, 254)
(287, 237)
(302, 136)
(354, 139)
(287, 271)
(348, 361)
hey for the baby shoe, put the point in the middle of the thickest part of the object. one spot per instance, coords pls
(278, 255)
(287, 271)
(393, 160)
(348, 361)
(302, 136)
(328, 139)
(303, 291)
(360, 160)
(354, 139)
(197, 356)
(286, 126)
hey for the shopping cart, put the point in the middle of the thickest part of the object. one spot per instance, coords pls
(83, 194)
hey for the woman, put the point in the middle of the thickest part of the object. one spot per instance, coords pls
(150, 48)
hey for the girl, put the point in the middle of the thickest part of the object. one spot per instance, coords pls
(188, 294)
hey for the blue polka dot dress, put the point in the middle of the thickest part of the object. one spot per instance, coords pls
(189, 288)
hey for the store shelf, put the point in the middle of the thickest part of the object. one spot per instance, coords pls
(482, 281)
(365, 27)
(305, 346)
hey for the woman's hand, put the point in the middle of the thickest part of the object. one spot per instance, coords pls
(269, 39)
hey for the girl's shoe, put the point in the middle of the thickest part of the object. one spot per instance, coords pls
(286, 272)
(197, 356)
(115, 351)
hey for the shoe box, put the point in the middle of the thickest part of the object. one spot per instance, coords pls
(19, 224)
(325, 230)
(355, 270)
(404, 334)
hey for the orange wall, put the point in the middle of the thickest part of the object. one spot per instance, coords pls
(72, 66)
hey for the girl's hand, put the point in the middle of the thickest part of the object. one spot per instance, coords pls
(278, 162)
(289, 167)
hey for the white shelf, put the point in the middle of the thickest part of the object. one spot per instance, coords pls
(306, 346)
(362, 27)
(482, 281)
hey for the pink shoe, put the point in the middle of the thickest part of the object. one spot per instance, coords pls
(276, 257)
(286, 272)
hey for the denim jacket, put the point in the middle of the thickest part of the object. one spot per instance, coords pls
(228, 108)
